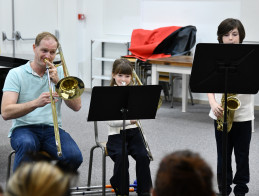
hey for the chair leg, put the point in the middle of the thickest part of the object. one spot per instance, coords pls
(165, 89)
(171, 93)
(9, 166)
(104, 172)
(190, 94)
(171, 82)
(90, 166)
(172, 99)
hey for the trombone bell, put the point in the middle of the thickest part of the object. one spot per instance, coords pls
(70, 87)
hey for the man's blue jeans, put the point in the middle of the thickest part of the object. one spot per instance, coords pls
(34, 138)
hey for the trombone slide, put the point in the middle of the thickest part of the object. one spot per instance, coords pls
(150, 156)
(54, 115)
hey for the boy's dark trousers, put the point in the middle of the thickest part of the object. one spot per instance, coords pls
(239, 139)
(137, 150)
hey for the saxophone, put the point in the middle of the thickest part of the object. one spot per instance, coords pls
(233, 103)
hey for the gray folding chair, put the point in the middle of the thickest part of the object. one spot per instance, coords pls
(9, 162)
(101, 145)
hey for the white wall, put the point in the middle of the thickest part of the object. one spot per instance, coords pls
(90, 28)
(249, 16)
(202, 14)
(121, 16)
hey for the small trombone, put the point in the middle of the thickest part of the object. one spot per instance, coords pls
(150, 156)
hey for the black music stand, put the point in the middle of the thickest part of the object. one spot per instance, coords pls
(225, 68)
(124, 103)
(7, 63)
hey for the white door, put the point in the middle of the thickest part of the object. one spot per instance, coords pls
(28, 18)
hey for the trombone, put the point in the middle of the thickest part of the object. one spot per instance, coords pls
(67, 88)
(150, 156)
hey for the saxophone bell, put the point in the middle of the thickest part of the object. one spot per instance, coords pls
(233, 104)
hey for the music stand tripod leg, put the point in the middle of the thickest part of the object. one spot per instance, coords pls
(123, 132)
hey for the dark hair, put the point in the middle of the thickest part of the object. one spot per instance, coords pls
(44, 35)
(121, 66)
(229, 24)
(183, 173)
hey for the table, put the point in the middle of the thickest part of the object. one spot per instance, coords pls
(176, 64)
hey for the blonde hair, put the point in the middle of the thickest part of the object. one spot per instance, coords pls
(40, 178)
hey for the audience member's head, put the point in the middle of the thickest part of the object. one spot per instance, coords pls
(183, 173)
(39, 178)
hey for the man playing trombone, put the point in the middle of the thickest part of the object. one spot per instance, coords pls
(29, 102)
